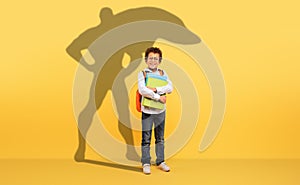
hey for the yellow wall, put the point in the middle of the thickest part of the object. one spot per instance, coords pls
(255, 43)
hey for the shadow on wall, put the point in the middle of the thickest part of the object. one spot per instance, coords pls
(111, 68)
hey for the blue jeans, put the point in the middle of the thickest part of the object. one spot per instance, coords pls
(159, 130)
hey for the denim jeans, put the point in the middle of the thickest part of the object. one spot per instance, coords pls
(159, 128)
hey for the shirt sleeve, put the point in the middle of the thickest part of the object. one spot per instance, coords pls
(143, 90)
(167, 88)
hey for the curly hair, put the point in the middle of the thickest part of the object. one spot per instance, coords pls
(153, 50)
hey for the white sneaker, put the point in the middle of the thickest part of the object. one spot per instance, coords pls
(146, 169)
(164, 167)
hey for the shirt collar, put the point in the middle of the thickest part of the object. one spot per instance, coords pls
(148, 70)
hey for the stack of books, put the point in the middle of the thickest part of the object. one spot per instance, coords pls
(153, 80)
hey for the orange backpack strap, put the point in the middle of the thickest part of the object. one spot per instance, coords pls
(161, 72)
(144, 74)
(138, 97)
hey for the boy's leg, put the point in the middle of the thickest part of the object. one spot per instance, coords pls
(159, 132)
(147, 123)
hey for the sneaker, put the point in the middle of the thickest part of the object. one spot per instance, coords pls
(146, 169)
(164, 167)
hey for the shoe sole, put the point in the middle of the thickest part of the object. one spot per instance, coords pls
(163, 169)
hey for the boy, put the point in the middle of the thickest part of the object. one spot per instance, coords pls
(153, 57)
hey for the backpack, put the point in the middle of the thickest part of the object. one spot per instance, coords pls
(138, 96)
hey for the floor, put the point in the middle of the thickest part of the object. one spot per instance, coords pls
(206, 171)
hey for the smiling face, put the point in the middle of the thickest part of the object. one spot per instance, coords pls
(153, 61)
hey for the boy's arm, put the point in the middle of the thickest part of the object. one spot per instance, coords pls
(167, 88)
(145, 91)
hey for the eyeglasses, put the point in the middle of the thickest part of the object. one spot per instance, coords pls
(153, 58)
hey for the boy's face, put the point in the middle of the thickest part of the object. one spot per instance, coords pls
(153, 60)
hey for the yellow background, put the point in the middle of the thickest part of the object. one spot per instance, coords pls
(256, 44)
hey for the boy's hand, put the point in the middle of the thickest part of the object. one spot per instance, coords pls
(163, 99)
(153, 89)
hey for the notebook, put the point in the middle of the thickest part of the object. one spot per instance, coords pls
(153, 80)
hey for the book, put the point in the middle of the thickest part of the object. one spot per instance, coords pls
(153, 80)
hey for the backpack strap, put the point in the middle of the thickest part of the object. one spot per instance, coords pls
(144, 73)
(161, 72)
